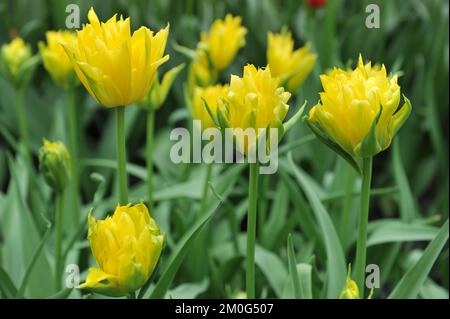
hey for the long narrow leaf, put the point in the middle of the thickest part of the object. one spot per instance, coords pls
(335, 263)
(411, 283)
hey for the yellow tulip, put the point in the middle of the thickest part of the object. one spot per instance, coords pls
(254, 100)
(199, 71)
(358, 111)
(214, 96)
(54, 164)
(291, 66)
(117, 68)
(14, 54)
(17, 62)
(56, 61)
(126, 247)
(223, 41)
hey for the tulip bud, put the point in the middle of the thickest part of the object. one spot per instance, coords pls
(351, 290)
(126, 247)
(54, 164)
(159, 90)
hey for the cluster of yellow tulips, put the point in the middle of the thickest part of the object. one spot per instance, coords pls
(357, 116)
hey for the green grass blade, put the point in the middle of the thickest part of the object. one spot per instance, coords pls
(335, 264)
(305, 277)
(6, 285)
(293, 268)
(411, 283)
(394, 231)
(181, 251)
(407, 206)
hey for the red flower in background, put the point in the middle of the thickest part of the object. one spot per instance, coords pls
(316, 4)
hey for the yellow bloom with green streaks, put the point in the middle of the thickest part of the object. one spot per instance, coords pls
(359, 111)
(126, 247)
(56, 61)
(223, 41)
(255, 100)
(291, 66)
(117, 67)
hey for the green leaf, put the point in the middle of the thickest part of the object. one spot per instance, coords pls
(188, 291)
(272, 268)
(293, 120)
(21, 238)
(293, 268)
(412, 281)
(7, 287)
(210, 112)
(305, 277)
(179, 254)
(188, 52)
(62, 294)
(35, 257)
(394, 231)
(407, 201)
(335, 263)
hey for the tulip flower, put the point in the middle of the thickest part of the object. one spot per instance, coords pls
(254, 101)
(56, 61)
(17, 64)
(117, 68)
(358, 115)
(54, 164)
(223, 41)
(359, 110)
(291, 66)
(126, 247)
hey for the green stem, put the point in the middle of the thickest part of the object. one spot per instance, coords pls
(149, 151)
(204, 201)
(58, 240)
(251, 230)
(73, 136)
(21, 117)
(362, 227)
(346, 205)
(121, 155)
